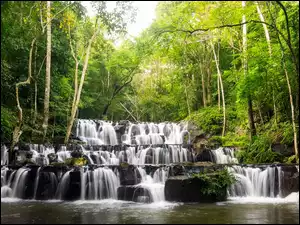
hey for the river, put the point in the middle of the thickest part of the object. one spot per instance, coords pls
(233, 211)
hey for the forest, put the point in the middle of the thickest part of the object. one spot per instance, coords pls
(231, 68)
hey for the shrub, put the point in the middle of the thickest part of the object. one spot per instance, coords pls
(215, 183)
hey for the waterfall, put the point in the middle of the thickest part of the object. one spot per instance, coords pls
(101, 183)
(63, 186)
(4, 155)
(36, 182)
(224, 156)
(253, 182)
(155, 185)
(88, 132)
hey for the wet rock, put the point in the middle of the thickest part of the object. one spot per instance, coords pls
(52, 157)
(204, 155)
(283, 149)
(185, 189)
(77, 153)
(129, 175)
(290, 180)
(134, 193)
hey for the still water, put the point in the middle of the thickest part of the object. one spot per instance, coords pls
(236, 211)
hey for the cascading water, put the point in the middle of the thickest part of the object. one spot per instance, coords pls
(154, 185)
(4, 155)
(101, 183)
(250, 182)
(16, 183)
(96, 133)
(63, 185)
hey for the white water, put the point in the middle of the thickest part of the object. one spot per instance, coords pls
(99, 184)
(155, 185)
(253, 183)
(4, 155)
(15, 186)
(224, 156)
(63, 185)
(88, 132)
(36, 182)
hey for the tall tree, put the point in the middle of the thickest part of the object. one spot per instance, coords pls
(245, 62)
(48, 72)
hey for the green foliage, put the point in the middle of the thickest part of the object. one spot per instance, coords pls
(259, 151)
(124, 165)
(167, 73)
(76, 161)
(209, 119)
(7, 123)
(291, 159)
(214, 183)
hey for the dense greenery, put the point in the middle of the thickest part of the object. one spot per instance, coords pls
(168, 73)
(215, 183)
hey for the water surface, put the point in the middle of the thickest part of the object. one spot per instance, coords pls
(235, 211)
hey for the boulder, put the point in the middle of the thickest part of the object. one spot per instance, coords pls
(134, 193)
(186, 189)
(283, 149)
(289, 180)
(204, 156)
(129, 175)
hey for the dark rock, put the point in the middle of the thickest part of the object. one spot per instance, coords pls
(283, 149)
(23, 147)
(205, 155)
(176, 170)
(134, 193)
(185, 189)
(52, 157)
(290, 180)
(77, 153)
(29, 155)
(129, 175)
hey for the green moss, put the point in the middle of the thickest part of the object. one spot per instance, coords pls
(124, 165)
(58, 164)
(75, 162)
(291, 159)
(214, 183)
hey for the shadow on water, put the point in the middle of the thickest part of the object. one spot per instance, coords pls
(113, 211)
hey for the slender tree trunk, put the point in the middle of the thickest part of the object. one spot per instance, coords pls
(18, 128)
(208, 84)
(222, 90)
(288, 83)
(203, 85)
(219, 97)
(75, 106)
(187, 99)
(291, 98)
(48, 72)
(250, 110)
(262, 19)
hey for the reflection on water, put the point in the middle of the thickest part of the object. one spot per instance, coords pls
(114, 211)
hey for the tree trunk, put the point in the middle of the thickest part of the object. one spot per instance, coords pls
(222, 90)
(18, 128)
(250, 110)
(219, 97)
(203, 85)
(262, 19)
(208, 84)
(187, 100)
(289, 86)
(291, 98)
(75, 106)
(48, 72)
